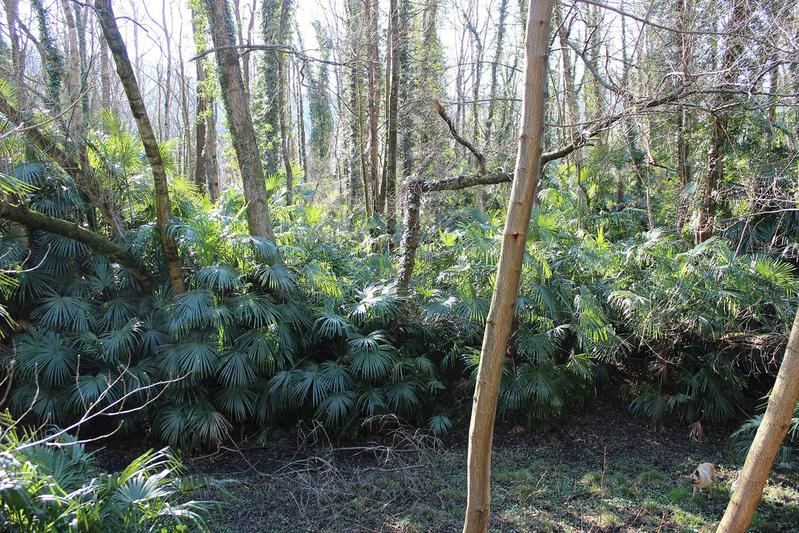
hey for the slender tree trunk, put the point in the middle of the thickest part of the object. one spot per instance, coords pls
(391, 136)
(200, 121)
(719, 120)
(239, 119)
(105, 76)
(301, 123)
(51, 57)
(683, 8)
(406, 91)
(105, 15)
(271, 15)
(17, 52)
(355, 154)
(282, 97)
(503, 302)
(498, 58)
(212, 159)
(572, 110)
(373, 98)
(478, 74)
(167, 132)
(768, 439)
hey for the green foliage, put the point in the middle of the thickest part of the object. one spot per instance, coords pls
(54, 484)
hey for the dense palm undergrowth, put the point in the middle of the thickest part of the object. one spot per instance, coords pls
(310, 327)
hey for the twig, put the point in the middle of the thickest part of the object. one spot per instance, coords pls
(469, 146)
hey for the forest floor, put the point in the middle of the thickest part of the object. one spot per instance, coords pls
(603, 470)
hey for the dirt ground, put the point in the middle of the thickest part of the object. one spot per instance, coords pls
(603, 470)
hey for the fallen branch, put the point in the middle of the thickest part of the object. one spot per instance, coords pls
(95, 241)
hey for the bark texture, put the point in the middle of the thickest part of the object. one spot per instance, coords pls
(95, 241)
(503, 301)
(116, 44)
(768, 439)
(240, 119)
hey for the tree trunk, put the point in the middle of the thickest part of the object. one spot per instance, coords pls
(719, 118)
(105, 15)
(768, 439)
(71, 230)
(214, 188)
(105, 76)
(283, 66)
(52, 59)
(683, 8)
(201, 152)
(391, 135)
(373, 99)
(270, 81)
(498, 51)
(17, 52)
(239, 119)
(503, 302)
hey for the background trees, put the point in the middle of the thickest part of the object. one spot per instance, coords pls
(336, 232)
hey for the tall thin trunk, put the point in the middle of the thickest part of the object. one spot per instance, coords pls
(498, 57)
(166, 131)
(570, 92)
(200, 121)
(478, 73)
(719, 120)
(105, 76)
(506, 288)
(108, 22)
(301, 122)
(282, 97)
(245, 58)
(17, 52)
(51, 57)
(239, 119)
(391, 135)
(406, 91)
(683, 8)
(768, 440)
(211, 148)
(373, 99)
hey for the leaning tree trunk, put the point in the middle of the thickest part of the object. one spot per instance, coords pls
(239, 119)
(768, 439)
(506, 288)
(105, 14)
(95, 241)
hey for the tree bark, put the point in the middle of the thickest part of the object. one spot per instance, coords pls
(95, 241)
(683, 8)
(239, 119)
(498, 51)
(282, 97)
(105, 76)
(768, 439)
(200, 122)
(719, 119)
(17, 52)
(373, 98)
(391, 134)
(105, 15)
(503, 302)
(214, 187)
